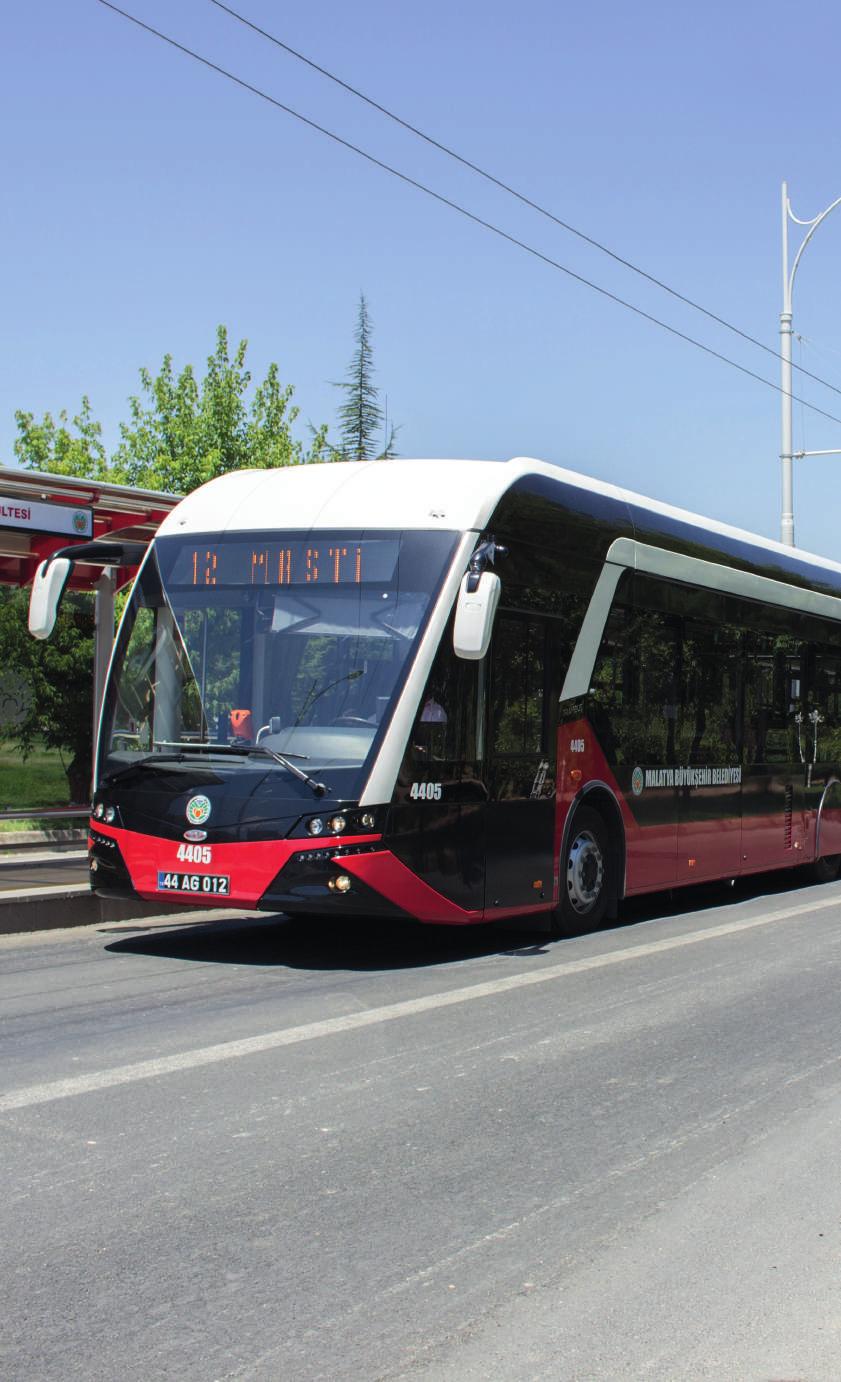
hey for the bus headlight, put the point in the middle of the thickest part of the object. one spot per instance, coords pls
(99, 810)
(368, 821)
(110, 815)
(340, 884)
(336, 824)
(315, 826)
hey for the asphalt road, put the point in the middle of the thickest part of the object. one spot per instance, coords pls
(253, 1150)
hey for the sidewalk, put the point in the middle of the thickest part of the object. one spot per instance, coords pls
(45, 885)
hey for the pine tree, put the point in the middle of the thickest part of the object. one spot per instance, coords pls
(361, 419)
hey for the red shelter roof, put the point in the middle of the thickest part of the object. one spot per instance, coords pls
(40, 513)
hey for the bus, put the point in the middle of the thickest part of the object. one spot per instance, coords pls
(462, 691)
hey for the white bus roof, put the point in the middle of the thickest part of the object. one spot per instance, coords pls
(456, 495)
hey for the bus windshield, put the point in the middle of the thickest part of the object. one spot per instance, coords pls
(294, 645)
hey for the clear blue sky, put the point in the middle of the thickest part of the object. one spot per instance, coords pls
(146, 200)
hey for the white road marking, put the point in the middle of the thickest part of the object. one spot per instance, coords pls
(411, 1007)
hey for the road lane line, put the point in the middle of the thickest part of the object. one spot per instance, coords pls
(411, 1007)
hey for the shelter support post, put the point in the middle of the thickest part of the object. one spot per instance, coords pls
(105, 589)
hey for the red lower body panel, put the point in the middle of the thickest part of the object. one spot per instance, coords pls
(251, 867)
(703, 832)
(391, 878)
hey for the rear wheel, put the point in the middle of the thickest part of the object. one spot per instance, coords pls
(586, 874)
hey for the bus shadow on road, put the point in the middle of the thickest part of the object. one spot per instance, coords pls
(365, 944)
(369, 944)
(715, 895)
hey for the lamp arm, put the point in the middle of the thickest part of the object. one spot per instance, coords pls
(813, 227)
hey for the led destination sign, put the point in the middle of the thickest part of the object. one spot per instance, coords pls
(322, 561)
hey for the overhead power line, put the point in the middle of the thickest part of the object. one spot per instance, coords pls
(462, 211)
(513, 192)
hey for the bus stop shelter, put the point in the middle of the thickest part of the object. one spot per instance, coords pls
(41, 513)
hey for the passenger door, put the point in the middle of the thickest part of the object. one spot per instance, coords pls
(437, 823)
(520, 819)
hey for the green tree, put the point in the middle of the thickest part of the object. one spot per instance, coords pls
(58, 675)
(181, 432)
(56, 707)
(362, 421)
(51, 446)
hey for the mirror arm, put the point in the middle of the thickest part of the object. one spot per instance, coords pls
(486, 552)
(101, 552)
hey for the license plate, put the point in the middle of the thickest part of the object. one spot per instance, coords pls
(205, 884)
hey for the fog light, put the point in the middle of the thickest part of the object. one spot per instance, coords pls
(368, 821)
(110, 814)
(99, 810)
(342, 883)
(336, 824)
(315, 826)
(94, 865)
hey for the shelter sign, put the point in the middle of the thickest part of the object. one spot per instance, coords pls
(26, 515)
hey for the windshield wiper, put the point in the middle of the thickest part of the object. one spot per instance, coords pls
(319, 788)
(147, 757)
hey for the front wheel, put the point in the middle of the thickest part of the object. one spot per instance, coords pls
(586, 875)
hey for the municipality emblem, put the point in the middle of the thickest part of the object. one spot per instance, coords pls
(198, 810)
(637, 782)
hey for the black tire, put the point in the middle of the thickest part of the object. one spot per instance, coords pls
(587, 870)
(825, 870)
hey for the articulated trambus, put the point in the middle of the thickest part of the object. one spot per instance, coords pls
(462, 691)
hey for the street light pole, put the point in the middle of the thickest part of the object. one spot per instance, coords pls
(787, 445)
(787, 517)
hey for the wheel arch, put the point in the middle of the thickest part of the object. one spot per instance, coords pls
(599, 797)
(832, 782)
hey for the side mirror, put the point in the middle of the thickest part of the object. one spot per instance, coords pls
(475, 611)
(47, 590)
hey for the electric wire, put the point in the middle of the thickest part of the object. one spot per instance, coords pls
(462, 211)
(512, 191)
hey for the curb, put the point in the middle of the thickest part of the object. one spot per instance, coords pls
(41, 837)
(50, 909)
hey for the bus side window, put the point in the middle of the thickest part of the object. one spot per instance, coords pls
(775, 670)
(657, 644)
(518, 685)
(613, 694)
(709, 702)
(634, 697)
(824, 734)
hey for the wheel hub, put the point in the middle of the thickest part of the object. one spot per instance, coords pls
(585, 872)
